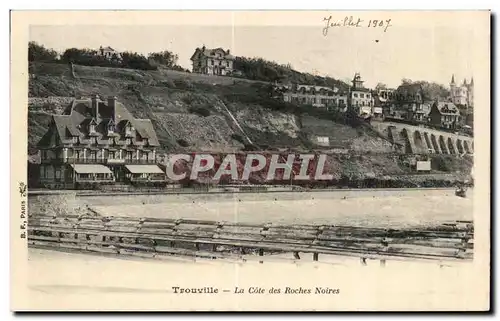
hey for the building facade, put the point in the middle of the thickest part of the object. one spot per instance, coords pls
(462, 95)
(94, 142)
(109, 53)
(419, 112)
(212, 61)
(317, 96)
(445, 115)
(360, 98)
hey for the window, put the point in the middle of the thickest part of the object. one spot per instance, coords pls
(92, 128)
(129, 141)
(227, 63)
(367, 95)
(211, 62)
(111, 129)
(128, 130)
(355, 95)
(362, 95)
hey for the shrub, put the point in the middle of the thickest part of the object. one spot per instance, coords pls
(183, 84)
(200, 110)
(183, 142)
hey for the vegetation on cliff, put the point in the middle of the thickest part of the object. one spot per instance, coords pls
(269, 71)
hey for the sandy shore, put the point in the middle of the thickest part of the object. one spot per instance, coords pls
(361, 208)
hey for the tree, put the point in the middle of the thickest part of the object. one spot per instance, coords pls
(134, 60)
(38, 52)
(165, 58)
(406, 81)
(78, 56)
(433, 91)
(380, 86)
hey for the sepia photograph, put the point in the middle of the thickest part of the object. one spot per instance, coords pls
(250, 160)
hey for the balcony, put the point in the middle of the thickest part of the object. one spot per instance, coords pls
(152, 178)
(106, 161)
(114, 161)
(94, 179)
(141, 161)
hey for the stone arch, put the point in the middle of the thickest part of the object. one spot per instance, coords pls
(451, 146)
(406, 138)
(467, 147)
(419, 142)
(435, 144)
(443, 146)
(460, 147)
(428, 142)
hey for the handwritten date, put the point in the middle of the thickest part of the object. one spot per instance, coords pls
(355, 22)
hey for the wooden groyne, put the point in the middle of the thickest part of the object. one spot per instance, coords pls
(156, 238)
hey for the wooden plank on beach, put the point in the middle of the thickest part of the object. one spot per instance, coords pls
(449, 241)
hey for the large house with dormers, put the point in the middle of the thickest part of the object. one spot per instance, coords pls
(94, 142)
(212, 61)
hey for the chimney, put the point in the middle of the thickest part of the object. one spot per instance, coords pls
(112, 105)
(228, 52)
(95, 106)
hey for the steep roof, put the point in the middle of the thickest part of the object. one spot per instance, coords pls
(446, 108)
(212, 53)
(107, 48)
(77, 116)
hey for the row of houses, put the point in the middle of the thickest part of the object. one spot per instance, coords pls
(357, 97)
(406, 103)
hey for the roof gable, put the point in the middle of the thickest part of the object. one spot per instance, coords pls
(78, 116)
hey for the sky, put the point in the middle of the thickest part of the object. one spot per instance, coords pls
(431, 49)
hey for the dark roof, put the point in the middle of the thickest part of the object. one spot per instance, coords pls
(75, 120)
(212, 53)
(108, 48)
(446, 108)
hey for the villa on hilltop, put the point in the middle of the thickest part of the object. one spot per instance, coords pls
(109, 53)
(95, 141)
(212, 61)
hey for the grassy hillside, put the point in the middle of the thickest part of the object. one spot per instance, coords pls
(189, 111)
(197, 113)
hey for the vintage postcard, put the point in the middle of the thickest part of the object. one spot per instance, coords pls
(250, 160)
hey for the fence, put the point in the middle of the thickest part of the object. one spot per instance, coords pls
(153, 237)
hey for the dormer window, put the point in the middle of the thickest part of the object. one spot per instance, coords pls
(111, 129)
(129, 129)
(92, 126)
